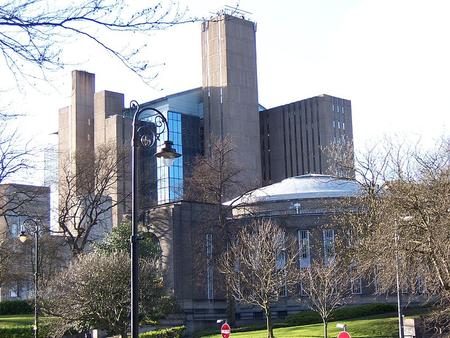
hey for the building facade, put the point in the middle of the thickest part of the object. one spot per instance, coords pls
(230, 89)
(21, 208)
(270, 144)
(192, 241)
(294, 136)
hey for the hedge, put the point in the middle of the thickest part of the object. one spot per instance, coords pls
(346, 312)
(16, 332)
(172, 332)
(15, 307)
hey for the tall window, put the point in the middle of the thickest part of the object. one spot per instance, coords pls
(420, 285)
(303, 292)
(328, 245)
(16, 225)
(281, 266)
(170, 179)
(376, 280)
(304, 252)
(355, 281)
(209, 267)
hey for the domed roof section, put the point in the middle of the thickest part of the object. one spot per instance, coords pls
(301, 187)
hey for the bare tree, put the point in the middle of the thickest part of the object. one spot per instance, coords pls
(214, 177)
(35, 32)
(340, 159)
(5, 258)
(94, 293)
(402, 220)
(15, 158)
(261, 265)
(53, 256)
(214, 180)
(85, 199)
(326, 287)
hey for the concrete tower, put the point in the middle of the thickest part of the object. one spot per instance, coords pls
(76, 122)
(93, 120)
(295, 135)
(231, 90)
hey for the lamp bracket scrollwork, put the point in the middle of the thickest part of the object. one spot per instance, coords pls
(152, 126)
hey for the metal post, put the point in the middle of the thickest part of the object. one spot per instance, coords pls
(147, 138)
(133, 238)
(23, 238)
(36, 280)
(397, 276)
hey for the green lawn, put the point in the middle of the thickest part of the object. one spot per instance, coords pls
(16, 320)
(376, 326)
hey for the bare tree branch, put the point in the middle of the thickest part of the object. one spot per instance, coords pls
(13, 157)
(35, 32)
(326, 286)
(261, 265)
(85, 201)
(403, 220)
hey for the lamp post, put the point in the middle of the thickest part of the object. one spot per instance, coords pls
(23, 237)
(401, 329)
(397, 279)
(146, 137)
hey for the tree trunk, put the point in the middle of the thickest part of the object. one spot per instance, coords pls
(269, 323)
(325, 328)
(231, 308)
(231, 304)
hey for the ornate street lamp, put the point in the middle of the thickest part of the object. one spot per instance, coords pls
(401, 328)
(23, 238)
(146, 137)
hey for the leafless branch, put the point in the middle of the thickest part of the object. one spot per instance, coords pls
(261, 265)
(85, 201)
(35, 32)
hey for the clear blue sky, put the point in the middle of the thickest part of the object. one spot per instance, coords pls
(390, 58)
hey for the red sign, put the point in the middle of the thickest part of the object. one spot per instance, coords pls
(225, 330)
(344, 334)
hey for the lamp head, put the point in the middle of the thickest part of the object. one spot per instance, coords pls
(23, 236)
(168, 153)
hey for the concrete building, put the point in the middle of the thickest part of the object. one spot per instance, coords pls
(76, 122)
(111, 123)
(271, 144)
(190, 237)
(21, 206)
(231, 90)
(294, 135)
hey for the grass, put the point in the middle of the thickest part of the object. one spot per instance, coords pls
(16, 320)
(374, 326)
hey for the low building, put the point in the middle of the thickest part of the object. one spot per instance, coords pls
(192, 240)
(23, 208)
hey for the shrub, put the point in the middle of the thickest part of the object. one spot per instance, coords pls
(303, 318)
(172, 332)
(15, 307)
(16, 332)
(346, 312)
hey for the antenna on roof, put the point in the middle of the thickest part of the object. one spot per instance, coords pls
(233, 11)
(237, 10)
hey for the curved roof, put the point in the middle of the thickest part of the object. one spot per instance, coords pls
(301, 187)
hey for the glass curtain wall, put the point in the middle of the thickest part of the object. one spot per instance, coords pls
(170, 179)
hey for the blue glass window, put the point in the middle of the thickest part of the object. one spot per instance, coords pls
(170, 179)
